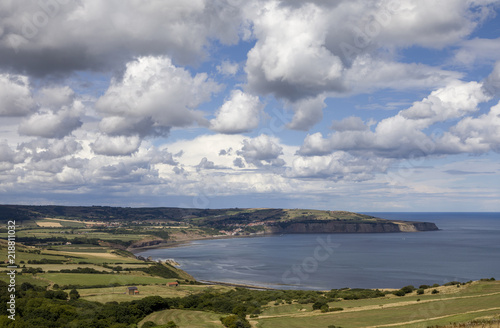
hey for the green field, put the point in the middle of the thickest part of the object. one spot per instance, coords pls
(185, 318)
(85, 279)
(117, 294)
(470, 302)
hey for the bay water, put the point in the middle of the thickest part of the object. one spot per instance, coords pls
(467, 247)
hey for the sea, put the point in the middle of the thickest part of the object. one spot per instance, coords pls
(467, 247)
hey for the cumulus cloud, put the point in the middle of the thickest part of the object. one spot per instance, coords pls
(402, 135)
(351, 123)
(116, 145)
(262, 150)
(45, 149)
(240, 113)
(205, 164)
(491, 85)
(55, 98)
(228, 68)
(477, 49)
(8, 155)
(473, 135)
(15, 95)
(153, 96)
(309, 51)
(337, 166)
(48, 124)
(290, 58)
(307, 112)
(47, 37)
(238, 162)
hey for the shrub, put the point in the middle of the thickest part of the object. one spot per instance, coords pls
(435, 291)
(337, 309)
(420, 291)
(74, 295)
(424, 286)
(318, 304)
(399, 293)
(408, 289)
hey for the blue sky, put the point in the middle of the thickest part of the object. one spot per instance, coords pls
(390, 105)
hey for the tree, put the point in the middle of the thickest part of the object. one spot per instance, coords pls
(318, 304)
(74, 295)
(234, 321)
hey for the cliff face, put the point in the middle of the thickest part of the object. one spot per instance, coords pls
(349, 227)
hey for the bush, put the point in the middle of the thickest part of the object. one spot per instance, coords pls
(337, 309)
(451, 283)
(435, 291)
(408, 289)
(234, 321)
(74, 295)
(318, 305)
(420, 291)
(424, 286)
(399, 292)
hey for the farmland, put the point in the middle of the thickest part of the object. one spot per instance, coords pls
(92, 259)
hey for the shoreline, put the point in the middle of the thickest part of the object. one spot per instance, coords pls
(165, 245)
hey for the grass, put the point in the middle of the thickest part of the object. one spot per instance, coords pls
(58, 267)
(468, 302)
(117, 294)
(85, 279)
(185, 318)
(25, 278)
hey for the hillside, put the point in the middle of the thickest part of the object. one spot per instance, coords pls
(232, 221)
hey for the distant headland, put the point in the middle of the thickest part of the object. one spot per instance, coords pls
(182, 224)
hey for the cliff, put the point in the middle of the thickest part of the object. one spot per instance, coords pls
(348, 227)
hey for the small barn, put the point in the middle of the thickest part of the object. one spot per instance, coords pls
(173, 284)
(133, 290)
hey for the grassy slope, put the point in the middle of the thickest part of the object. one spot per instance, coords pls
(465, 303)
(185, 319)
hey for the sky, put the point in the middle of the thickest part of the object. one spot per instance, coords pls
(385, 105)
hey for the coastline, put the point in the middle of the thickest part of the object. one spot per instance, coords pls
(177, 243)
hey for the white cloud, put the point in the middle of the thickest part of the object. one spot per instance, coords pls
(55, 98)
(94, 35)
(116, 146)
(402, 135)
(300, 54)
(48, 124)
(228, 68)
(491, 85)
(307, 112)
(290, 58)
(351, 123)
(7, 155)
(337, 166)
(477, 50)
(153, 96)
(473, 135)
(240, 113)
(262, 150)
(15, 95)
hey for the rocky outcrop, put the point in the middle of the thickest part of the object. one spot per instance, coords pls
(348, 227)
